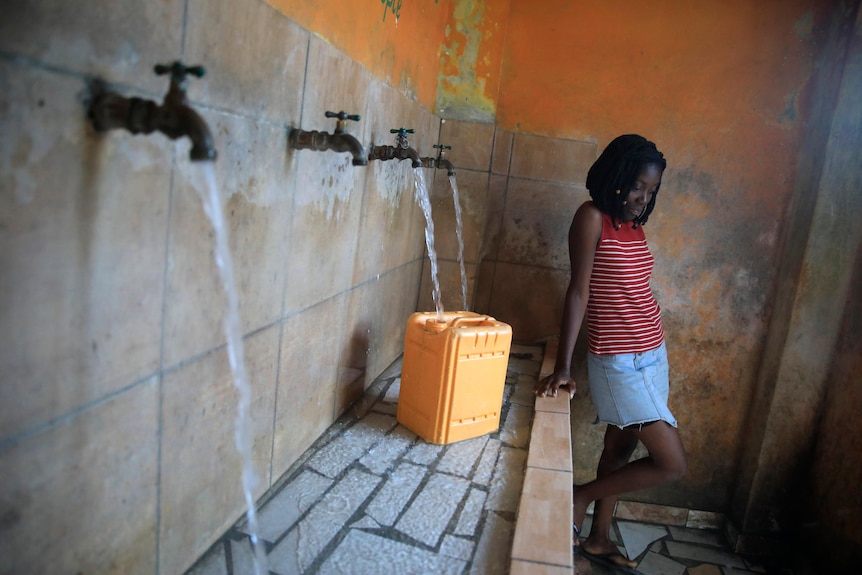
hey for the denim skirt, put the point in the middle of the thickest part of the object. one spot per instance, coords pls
(630, 388)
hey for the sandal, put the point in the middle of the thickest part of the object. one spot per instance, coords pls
(613, 560)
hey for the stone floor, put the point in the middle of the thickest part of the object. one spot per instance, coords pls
(671, 548)
(371, 497)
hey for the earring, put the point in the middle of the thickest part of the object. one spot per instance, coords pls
(618, 192)
(624, 202)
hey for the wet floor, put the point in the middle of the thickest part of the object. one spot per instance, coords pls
(370, 497)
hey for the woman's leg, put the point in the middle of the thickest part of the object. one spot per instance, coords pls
(665, 462)
(618, 448)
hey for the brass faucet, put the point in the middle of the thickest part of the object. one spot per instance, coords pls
(174, 118)
(400, 151)
(338, 141)
(440, 161)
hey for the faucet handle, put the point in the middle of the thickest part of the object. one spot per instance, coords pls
(401, 138)
(343, 116)
(178, 71)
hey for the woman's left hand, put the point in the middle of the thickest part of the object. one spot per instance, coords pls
(548, 386)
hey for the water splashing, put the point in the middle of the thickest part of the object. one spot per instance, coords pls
(422, 197)
(459, 226)
(213, 208)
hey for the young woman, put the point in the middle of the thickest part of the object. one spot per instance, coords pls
(627, 360)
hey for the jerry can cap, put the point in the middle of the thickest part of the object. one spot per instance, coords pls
(433, 324)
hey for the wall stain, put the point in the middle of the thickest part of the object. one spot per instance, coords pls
(462, 87)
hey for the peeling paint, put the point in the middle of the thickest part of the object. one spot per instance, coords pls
(470, 58)
(397, 40)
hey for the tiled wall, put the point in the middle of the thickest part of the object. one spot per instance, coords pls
(118, 407)
(518, 194)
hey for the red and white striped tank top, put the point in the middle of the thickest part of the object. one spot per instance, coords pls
(623, 316)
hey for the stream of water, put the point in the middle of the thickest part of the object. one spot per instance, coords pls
(243, 434)
(424, 200)
(459, 227)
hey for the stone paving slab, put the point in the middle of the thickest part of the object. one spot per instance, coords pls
(704, 554)
(362, 553)
(428, 515)
(372, 497)
(396, 492)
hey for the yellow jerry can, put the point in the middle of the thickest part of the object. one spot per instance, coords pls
(452, 375)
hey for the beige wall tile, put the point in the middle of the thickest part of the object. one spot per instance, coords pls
(552, 159)
(473, 194)
(528, 298)
(310, 348)
(120, 44)
(401, 287)
(366, 305)
(484, 283)
(389, 110)
(502, 152)
(374, 330)
(336, 83)
(389, 215)
(497, 189)
(80, 497)
(536, 222)
(324, 230)
(81, 252)
(201, 472)
(449, 276)
(236, 42)
(252, 180)
(471, 144)
(329, 189)
(388, 235)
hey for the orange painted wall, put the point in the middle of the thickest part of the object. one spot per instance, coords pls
(721, 87)
(716, 80)
(398, 40)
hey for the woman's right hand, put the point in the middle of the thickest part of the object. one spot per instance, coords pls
(548, 386)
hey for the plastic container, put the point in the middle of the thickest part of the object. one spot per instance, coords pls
(452, 375)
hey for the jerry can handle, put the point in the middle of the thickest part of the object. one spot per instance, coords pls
(472, 320)
(433, 324)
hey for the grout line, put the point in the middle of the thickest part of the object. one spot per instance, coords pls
(161, 371)
(68, 417)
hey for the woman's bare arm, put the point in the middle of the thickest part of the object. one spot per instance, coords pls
(584, 235)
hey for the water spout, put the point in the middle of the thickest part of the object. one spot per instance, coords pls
(174, 117)
(400, 151)
(338, 141)
(440, 162)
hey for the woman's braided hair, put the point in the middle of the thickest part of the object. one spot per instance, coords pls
(615, 172)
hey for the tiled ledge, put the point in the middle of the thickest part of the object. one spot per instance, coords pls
(543, 533)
